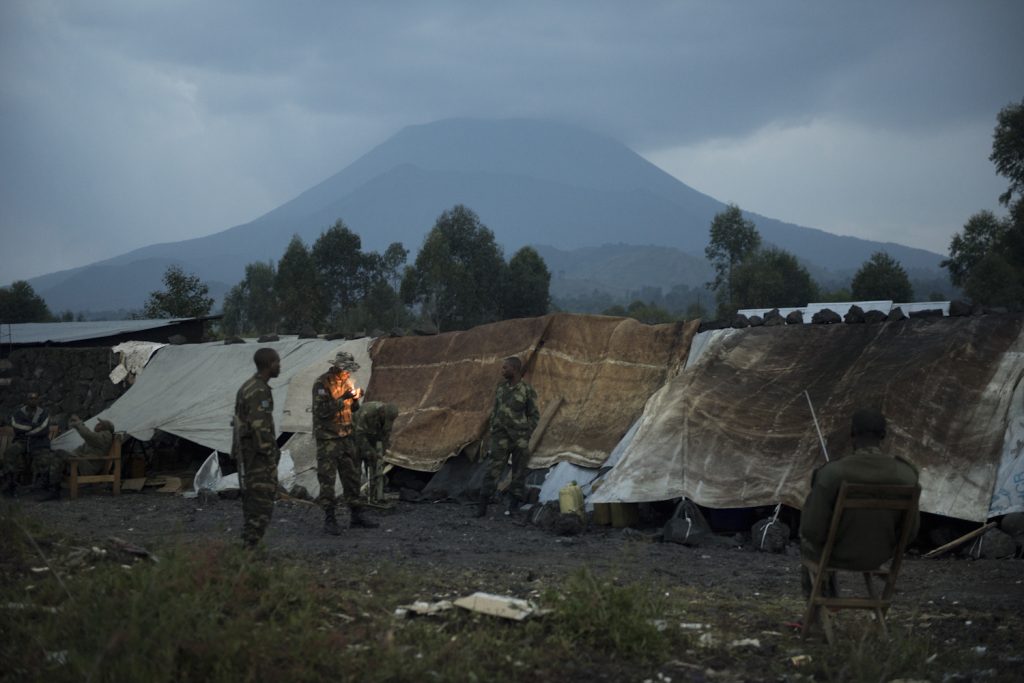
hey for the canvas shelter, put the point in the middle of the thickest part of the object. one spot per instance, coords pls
(189, 390)
(592, 375)
(734, 429)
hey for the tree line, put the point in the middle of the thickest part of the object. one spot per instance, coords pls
(459, 279)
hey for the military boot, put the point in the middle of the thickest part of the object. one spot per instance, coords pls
(331, 523)
(481, 505)
(357, 521)
(512, 508)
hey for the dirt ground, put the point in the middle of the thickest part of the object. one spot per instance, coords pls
(973, 605)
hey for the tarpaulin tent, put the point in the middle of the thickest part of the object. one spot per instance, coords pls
(734, 429)
(592, 375)
(189, 390)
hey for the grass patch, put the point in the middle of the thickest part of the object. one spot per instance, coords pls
(218, 613)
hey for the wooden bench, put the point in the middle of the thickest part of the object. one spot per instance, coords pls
(110, 471)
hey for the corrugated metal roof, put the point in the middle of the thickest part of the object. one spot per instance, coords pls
(40, 333)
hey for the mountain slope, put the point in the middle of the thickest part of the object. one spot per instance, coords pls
(532, 182)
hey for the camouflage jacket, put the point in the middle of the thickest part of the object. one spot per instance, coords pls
(372, 423)
(254, 419)
(96, 443)
(31, 425)
(515, 408)
(332, 417)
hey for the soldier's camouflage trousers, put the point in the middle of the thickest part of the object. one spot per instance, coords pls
(41, 462)
(503, 444)
(259, 488)
(337, 457)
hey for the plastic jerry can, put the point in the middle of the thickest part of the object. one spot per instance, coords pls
(570, 499)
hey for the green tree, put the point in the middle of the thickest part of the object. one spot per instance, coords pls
(995, 281)
(251, 305)
(19, 303)
(733, 239)
(392, 264)
(881, 278)
(296, 288)
(526, 290)
(184, 296)
(981, 234)
(341, 269)
(456, 278)
(1008, 151)
(770, 278)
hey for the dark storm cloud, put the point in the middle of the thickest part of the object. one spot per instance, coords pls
(161, 120)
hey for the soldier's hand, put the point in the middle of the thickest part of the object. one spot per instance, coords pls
(347, 395)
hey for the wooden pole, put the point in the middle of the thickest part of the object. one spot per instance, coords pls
(963, 539)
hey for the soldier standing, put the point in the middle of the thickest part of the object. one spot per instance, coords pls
(335, 398)
(255, 446)
(31, 425)
(513, 420)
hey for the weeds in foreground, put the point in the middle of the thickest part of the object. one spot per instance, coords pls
(217, 613)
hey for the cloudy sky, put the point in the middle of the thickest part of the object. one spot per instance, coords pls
(129, 122)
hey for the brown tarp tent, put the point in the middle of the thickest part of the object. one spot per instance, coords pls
(592, 374)
(735, 428)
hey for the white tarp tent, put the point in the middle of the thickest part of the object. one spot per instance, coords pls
(189, 390)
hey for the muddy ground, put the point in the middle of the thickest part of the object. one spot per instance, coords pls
(973, 606)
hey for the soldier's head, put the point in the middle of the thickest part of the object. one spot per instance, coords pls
(32, 399)
(511, 368)
(867, 428)
(104, 426)
(268, 363)
(344, 362)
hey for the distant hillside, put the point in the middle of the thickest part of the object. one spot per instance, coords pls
(532, 182)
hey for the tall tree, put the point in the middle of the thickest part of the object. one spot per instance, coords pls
(341, 268)
(184, 296)
(981, 234)
(251, 305)
(457, 275)
(1008, 151)
(295, 285)
(769, 278)
(881, 278)
(526, 292)
(19, 303)
(733, 239)
(393, 262)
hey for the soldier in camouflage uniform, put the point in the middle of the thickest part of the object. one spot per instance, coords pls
(372, 426)
(30, 426)
(255, 446)
(513, 420)
(335, 399)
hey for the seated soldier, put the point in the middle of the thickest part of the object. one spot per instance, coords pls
(97, 442)
(868, 538)
(31, 426)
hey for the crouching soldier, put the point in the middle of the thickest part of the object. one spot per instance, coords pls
(255, 446)
(373, 425)
(49, 465)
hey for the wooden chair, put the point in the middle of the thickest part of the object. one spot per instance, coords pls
(109, 472)
(853, 497)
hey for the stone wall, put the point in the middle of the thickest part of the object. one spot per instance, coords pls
(69, 381)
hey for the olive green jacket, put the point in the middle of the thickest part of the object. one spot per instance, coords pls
(866, 538)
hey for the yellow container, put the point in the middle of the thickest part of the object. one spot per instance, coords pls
(625, 514)
(602, 514)
(570, 499)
